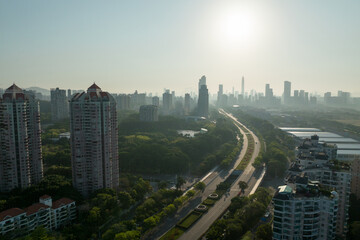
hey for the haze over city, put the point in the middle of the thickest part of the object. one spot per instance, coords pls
(188, 120)
(152, 45)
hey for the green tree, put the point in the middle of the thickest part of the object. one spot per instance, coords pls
(200, 186)
(264, 232)
(217, 230)
(150, 222)
(169, 209)
(233, 230)
(243, 185)
(179, 182)
(190, 193)
(40, 233)
(162, 185)
(125, 199)
(94, 217)
(129, 235)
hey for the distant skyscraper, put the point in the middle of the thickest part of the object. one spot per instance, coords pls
(59, 104)
(187, 103)
(268, 91)
(156, 101)
(149, 113)
(137, 100)
(123, 101)
(20, 140)
(287, 92)
(69, 93)
(203, 102)
(296, 94)
(202, 81)
(167, 102)
(94, 141)
(220, 96)
(242, 86)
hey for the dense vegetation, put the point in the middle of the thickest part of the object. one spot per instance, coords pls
(56, 186)
(56, 152)
(107, 206)
(143, 148)
(354, 218)
(243, 214)
(279, 146)
(156, 147)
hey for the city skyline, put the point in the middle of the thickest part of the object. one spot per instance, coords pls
(50, 43)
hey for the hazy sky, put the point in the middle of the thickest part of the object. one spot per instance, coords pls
(152, 45)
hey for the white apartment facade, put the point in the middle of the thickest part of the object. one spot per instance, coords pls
(20, 140)
(51, 215)
(94, 141)
(304, 215)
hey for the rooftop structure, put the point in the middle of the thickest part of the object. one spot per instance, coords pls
(304, 211)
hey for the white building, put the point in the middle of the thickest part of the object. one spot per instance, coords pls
(20, 140)
(304, 212)
(313, 161)
(15, 222)
(94, 141)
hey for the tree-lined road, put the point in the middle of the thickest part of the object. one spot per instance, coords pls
(211, 180)
(249, 175)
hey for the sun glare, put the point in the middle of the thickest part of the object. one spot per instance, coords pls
(237, 27)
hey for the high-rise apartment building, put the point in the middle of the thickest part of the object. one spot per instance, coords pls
(313, 159)
(187, 103)
(243, 86)
(94, 141)
(203, 102)
(137, 100)
(59, 104)
(220, 95)
(167, 102)
(20, 140)
(304, 211)
(149, 113)
(123, 102)
(155, 101)
(287, 92)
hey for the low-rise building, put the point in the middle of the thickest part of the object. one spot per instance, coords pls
(51, 215)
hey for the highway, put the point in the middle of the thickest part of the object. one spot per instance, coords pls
(249, 176)
(211, 180)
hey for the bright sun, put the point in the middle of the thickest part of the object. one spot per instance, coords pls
(236, 27)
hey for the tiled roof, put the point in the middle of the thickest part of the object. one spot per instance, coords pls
(12, 212)
(61, 202)
(35, 208)
(45, 197)
(14, 88)
(94, 86)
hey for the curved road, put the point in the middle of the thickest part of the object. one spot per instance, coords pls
(250, 175)
(211, 180)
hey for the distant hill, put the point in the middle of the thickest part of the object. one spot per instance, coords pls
(43, 91)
